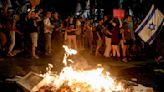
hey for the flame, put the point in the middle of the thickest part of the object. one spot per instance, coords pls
(68, 53)
(94, 80)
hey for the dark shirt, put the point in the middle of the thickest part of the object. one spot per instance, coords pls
(127, 34)
(31, 25)
(70, 28)
(116, 34)
(98, 30)
(109, 28)
(106, 23)
(57, 24)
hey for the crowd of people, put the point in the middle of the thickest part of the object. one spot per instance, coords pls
(43, 31)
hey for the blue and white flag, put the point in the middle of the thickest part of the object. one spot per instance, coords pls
(148, 29)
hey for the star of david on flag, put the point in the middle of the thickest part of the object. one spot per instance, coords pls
(151, 27)
(148, 29)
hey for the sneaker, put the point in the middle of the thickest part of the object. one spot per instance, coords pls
(10, 54)
(35, 57)
(124, 60)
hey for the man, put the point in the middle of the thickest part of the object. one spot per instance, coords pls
(126, 38)
(108, 35)
(99, 34)
(57, 36)
(32, 23)
(48, 27)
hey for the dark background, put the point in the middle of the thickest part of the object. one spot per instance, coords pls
(67, 7)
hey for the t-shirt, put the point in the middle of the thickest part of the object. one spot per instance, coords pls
(109, 28)
(70, 27)
(127, 34)
(116, 34)
(47, 22)
(98, 30)
(57, 24)
(32, 26)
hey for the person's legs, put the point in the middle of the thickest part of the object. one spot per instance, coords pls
(113, 50)
(124, 49)
(33, 51)
(3, 40)
(99, 43)
(97, 51)
(69, 40)
(74, 42)
(78, 38)
(12, 44)
(49, 43)
(34, 38)
(90, 44)
(124, 53)
(117, 51)
(108, 47)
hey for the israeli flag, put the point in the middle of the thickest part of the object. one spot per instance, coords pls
(148, 29)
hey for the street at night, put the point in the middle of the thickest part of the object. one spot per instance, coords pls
(81, 46)
(144, 71)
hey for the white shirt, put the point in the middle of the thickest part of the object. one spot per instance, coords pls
(47, 25)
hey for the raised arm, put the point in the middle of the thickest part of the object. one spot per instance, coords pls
(120, 21)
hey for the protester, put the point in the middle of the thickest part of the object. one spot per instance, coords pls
(48, 28)
(13, 30)
(102, 36)
(126, 38)
(117, 24)
(99, 33)
(108, 35)
(32, 19)
(78, 34)
(71, 35)
(57, 35)
(89, 36)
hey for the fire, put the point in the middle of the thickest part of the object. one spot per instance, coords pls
(95, 80)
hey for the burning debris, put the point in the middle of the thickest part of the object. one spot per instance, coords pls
(71, 79)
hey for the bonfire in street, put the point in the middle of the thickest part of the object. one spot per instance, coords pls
(72, 80)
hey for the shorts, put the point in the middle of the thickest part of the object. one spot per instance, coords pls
(99, 42)
(115, 43)
(34, 38)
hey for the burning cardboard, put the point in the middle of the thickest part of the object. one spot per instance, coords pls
(30, 81)
(72, 80)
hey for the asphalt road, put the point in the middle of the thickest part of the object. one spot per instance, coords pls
(142, 68)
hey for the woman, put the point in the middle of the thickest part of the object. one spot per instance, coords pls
(12, 28)
(71, 35)
(116, 38)
(99, 33)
